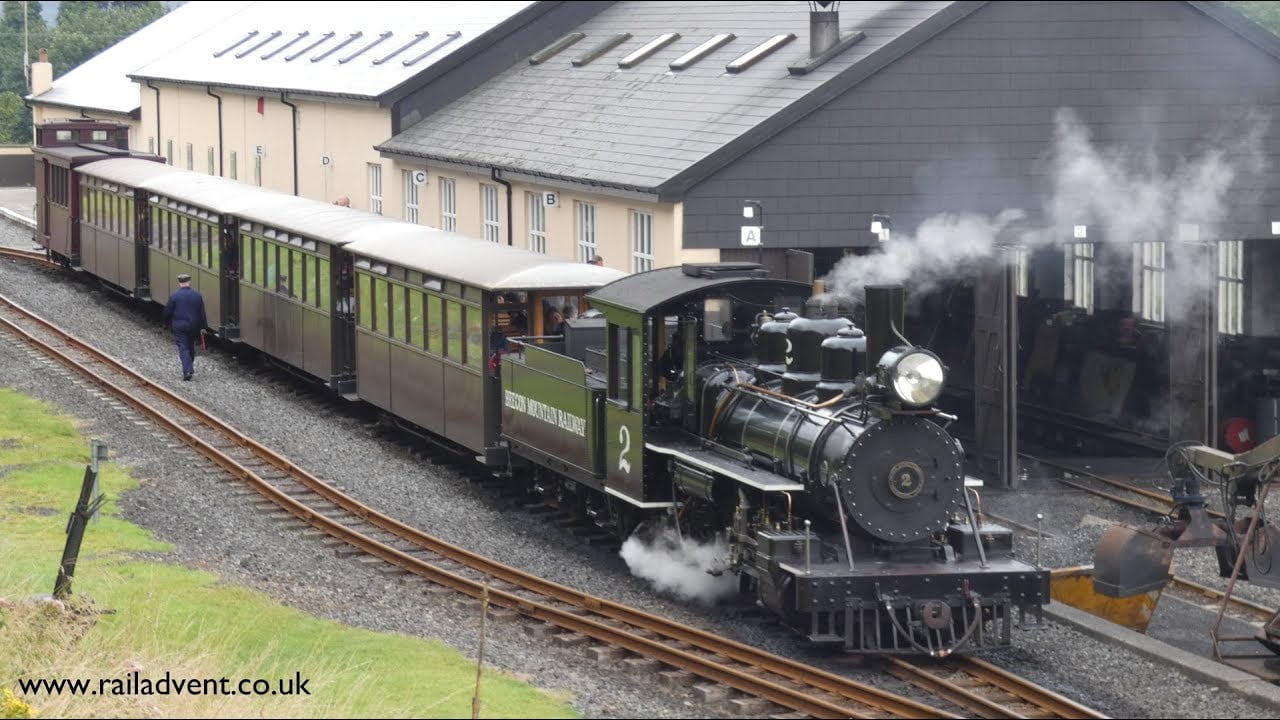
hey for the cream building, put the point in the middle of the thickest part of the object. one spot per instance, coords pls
(100, 87)
(295, 97)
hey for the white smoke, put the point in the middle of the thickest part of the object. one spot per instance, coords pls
(1122, 194)
(680, 567)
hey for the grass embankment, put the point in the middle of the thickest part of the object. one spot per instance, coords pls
(164, 619)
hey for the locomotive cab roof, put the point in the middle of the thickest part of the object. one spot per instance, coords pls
(645, 292)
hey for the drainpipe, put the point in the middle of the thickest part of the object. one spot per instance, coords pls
(159, 137)
(295, 141)
(209, 91)
(493, 173)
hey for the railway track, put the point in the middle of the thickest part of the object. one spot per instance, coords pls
(37, 257)
(986, 690)
(1115, 490)
(302, 496)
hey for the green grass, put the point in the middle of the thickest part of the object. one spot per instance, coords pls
(165, 618)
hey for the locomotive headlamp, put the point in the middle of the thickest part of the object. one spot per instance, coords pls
(913, 375)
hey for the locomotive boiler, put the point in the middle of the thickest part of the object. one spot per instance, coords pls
(892, 554)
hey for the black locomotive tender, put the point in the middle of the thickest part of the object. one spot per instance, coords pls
(691, 397)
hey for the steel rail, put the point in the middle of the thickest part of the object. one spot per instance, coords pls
(1014, 691)
(1166, 502)
(671, 635)
(32, 256)
(1261, 612)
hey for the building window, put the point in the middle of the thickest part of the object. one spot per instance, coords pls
(233, 164)
(448, 205)
(1078, 288)
(537, 222)
(1231, 287)
(168, 153)
(641, 241)
(410, 197)
(375, 188)
(212, 169)
(586, 231)
(489, 202)
(151, 146)
(191, 157)
(1021, 270)
(1148, 280)
(257, 170)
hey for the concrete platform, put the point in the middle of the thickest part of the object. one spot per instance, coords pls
(1201, 668)
(19, 205)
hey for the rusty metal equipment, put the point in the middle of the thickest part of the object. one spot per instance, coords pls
(1131, 561)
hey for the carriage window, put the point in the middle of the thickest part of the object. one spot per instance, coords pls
(637, 370)
(380, 303)
(297, 280)
(322, 285)
(397, 328)
(475, 337)
(215, 248)
(620, 363)
(155, 226)
(366, 300)
(269, 264)
(453, 331)
(434, 323)
(415, 318)
(84, 198)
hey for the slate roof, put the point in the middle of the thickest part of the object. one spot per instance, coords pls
(359, 50)
(648, 127)
(102, 82)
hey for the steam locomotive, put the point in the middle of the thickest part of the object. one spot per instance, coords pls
(814, 443)
(686, 395)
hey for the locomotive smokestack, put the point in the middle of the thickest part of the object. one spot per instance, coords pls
(824, 28)
(886, 310)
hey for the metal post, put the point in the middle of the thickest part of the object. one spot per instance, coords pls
(808, 570)
(98, 451)
(1039, 517)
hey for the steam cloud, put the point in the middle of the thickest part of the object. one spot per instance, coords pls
(680, 567)
(1122, 196)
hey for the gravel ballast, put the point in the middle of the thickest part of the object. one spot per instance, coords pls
(179, 495)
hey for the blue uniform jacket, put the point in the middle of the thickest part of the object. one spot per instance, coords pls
(185, 311)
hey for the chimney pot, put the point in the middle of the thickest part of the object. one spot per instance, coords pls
(824, 31)
(43, 55)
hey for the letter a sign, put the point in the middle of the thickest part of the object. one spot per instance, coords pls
(751, 235)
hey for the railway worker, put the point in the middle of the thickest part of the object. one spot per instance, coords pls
(184, 314)
(596, 260)
(344, 201)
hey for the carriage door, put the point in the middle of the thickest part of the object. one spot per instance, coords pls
(141, 246)
(229, 277)
(342, 319)
(42, 209)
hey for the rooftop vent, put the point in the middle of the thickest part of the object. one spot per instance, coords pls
(648, 49)
(264, 41)
(416, 39)
(702, 51)
(824, 37)
(363, 50)
(350, 39)
(554, 48)
(724, 270)
(448, 38)
(287, 45)
(608, 44)
(309, 48)
(759, 52)
(236, 44)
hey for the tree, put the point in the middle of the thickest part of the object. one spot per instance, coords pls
(1266, 14)
(85, 29)
(15, 119)
(11, 41)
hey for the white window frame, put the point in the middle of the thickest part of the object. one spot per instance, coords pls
(411, 198)
(257, 170)
(537, 211)
(213, 167)
(233, 165)
(1078, 287)
(169, 152)
(489, 212)
(448, 204)
(1231, 287)
(375, 188)
(191, 156)
(585, 229)
(1149, 265)
(642, 257)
